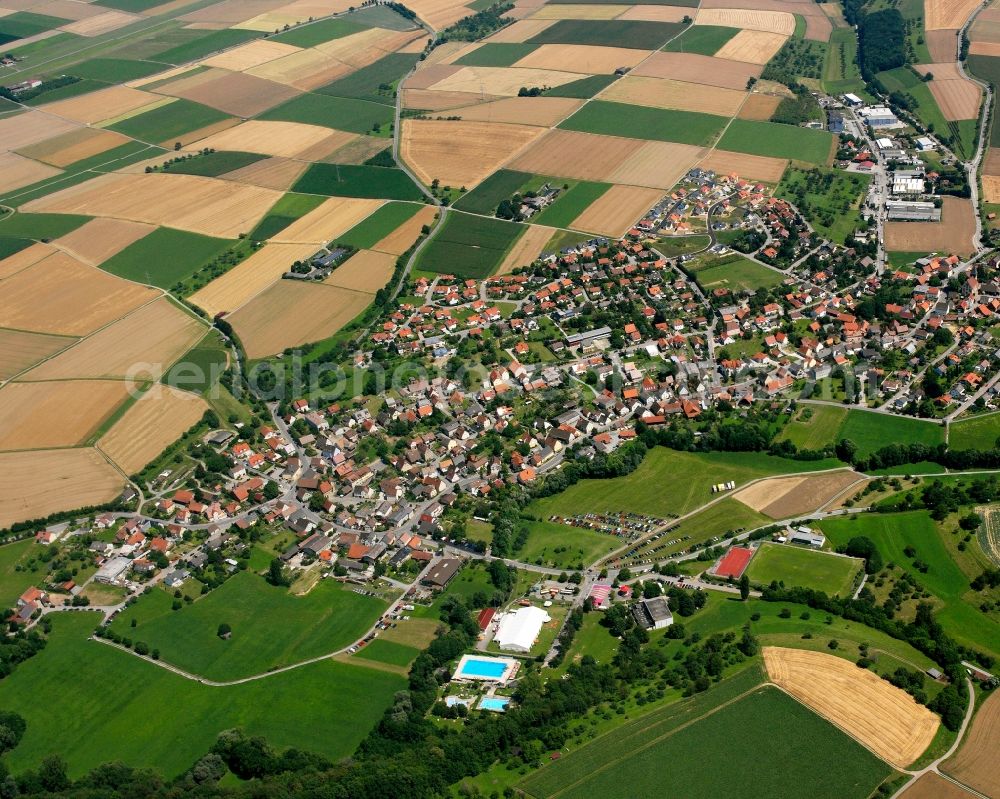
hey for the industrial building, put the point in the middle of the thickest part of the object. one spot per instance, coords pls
(912, 211)
(653, 614)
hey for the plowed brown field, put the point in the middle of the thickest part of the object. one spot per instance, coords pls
(953, 234)
(694, 68)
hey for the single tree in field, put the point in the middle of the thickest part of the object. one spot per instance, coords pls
(744, 588)
(224, 630)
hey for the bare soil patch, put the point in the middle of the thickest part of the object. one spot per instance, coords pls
(884, 718)
(657, 164)
(759, 106)
(975, 764)
(934, 786)
(19, 350)
(943, 44)
(99, 239)
(753, 47)
(159, 417)
(953, 234)
(366, 270)
(957, 99)
(291, 313)
(615, 211)
(571, 154)
(666, 93)
(461, 153)
(56, 414)
(589, 59)
(232, 92)
(76, 298)
(703, 69)
(36, 484)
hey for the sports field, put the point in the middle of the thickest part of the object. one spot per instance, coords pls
(806, 568)
(163, 721)
(681, 756)
(270, 626)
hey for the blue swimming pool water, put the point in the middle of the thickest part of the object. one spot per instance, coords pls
(474, 667)
(494, 703)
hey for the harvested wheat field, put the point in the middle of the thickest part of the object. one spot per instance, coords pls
(142, 345)
(360, 49)
(694, 68)
(61, 295)
(818, 25)
(56, 414)
(985, 48)
(461, 153)
(666, 93)
(943, 44)
(102, 104)
(884, 718)
(556, 11)
(66, 9)
(759, 106)
(101, 24)
(934, 786)
(271, 173)
(402, 238)
(991, 164)
(526, 249)
(947, 70)
(982, 30)
(656, 13)
(991, 188)
(229, 12)
(74, 146)
(953, 234)
(248, 56)
(426, 75)
(231, 92)
(657, 164)
(585, 58)
(366, 270)
(957, 99)
(36, 484)
(17, 171)
(543, 111)
(32, 127)
(99, 239)
(976, 761)
(156, 420)
(19, 261)
(327, 221)
(439, 13)
(19, 350)
(188, 202)
(291, 313)
(615, 211)
(570, 154)
(767, 21)
(233, 289)
(521, 31)
(287, 139)
(783, 497)
(306, 70)
(431, 100)
(749, 167)
(501, 81)
(753, 47)
(943, 14)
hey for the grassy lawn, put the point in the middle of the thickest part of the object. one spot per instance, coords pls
(165, 257)
(669, 482)
(198, 369)
(469, 246)
(636, 34)
(976, 433)
(270, 626)
(828, 198)
(14, 582)
(893, 533)
(702, 39)
(560, 546)
(381, 223)
(678, 753)
(796, 566)
(739, 274)
(871, 431)
(591, 639)
(121, 708)
(840, 72)
(671, 247)
(659, 124)
(388, 652)
(341, 113)
(778, 141)
(814, 426)
(349, 180)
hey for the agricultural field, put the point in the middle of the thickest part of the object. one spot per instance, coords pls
(979, 432)
(572, 203)
(638, 122)
(974, 763)
(165, 257)
(348, 180)
(806, 568)
(778, 141)
(348, 114)
(285, 211)
(189, 716)
(15, 578)
(871, 431)
(20, 350)
(702, 39)
(270, 626)
(469, 246)
(785, 497)
(560, 546)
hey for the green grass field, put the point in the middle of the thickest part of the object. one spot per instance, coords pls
(340, 180)
(469, 246)
(669, 482)
(212, 165)
(814, 426)
(14, 581)
(559, 546)
(40, 226)
(702, 39)
(677, 752)
(828, 198)
(204, 44)
(778, 141)
(893, 533)
(739, 275)
(197, 370)
(367, 83)
(115, 70)
(340, 113)
(165, 257)
(270, 626)
(380, 224)
(807, 568)
(571, 203)
(871, 431)
(10, 246)
(166, 122)
(636, 34)
(388, 652)
(978, 433)
(987, 68)
(498, 54)
(840, 71)
(639, 122)
(319, 32)
(119, 707)
(75, 89)
(499, 186)
(582, 89)
(22, 24)
(286, 210)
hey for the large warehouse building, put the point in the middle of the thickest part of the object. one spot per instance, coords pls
(519, 629)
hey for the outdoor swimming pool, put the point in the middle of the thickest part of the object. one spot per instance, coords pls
(479, 667)
(495, 703)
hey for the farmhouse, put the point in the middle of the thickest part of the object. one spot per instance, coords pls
(518, 630)
(653, 614)
(441, 572)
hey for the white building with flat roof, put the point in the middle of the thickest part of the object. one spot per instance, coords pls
(518, 629)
